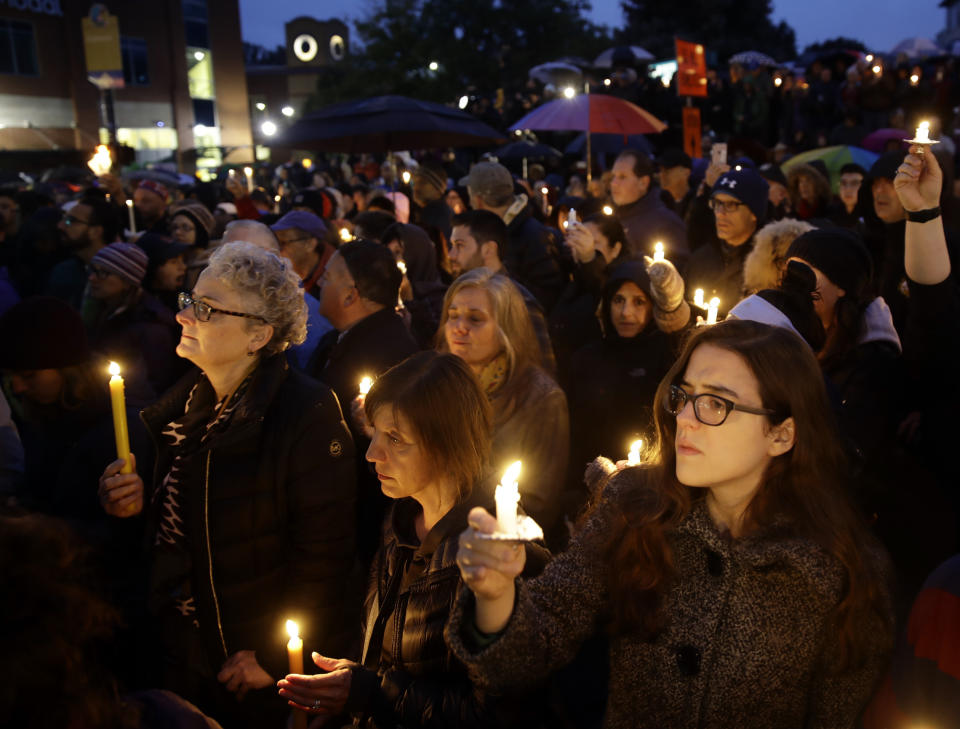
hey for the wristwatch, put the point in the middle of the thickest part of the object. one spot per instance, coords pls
(922, 216)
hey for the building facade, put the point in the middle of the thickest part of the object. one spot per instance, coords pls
(185, 91)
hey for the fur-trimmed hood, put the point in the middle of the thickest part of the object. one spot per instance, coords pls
(762, 267)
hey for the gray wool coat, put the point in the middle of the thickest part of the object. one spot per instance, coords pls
(747, 643)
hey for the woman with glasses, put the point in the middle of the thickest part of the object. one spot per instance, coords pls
(736, 583)
(192, 224)
(251, 506)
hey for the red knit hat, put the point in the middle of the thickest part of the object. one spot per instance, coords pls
(155, 187)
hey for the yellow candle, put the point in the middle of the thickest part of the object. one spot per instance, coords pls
(507, 496)
(633, 458)
(118, 402)
(133, 220)
(295, 661)
(712, 310)
(658, 254)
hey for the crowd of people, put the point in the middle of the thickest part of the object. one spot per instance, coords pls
(779, 551)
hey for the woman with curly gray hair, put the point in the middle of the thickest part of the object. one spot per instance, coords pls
(250, 509)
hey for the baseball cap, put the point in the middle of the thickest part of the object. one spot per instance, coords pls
(301, 220)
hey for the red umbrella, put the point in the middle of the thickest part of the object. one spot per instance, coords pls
(877, 141)
(593, 114)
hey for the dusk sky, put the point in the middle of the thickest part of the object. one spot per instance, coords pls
(880, 24)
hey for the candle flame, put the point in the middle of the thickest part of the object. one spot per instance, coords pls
(293, 630)
(129, 203)
(544, 190)
(607, 210)
(633, 458)
(403, 267)
(406, 177)
(100, 162)
(512, 474)
(715, 302)
(248, 171)
(345, 235)
(365, 384)
(114, 369)
(307, 163)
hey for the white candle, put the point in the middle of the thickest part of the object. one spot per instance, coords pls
(658, 252)
(248, 173)
(712, 310)
(365, 384)
(698, 299)
(132, 221)
(923, 133)
(507, 496)
(633, 458)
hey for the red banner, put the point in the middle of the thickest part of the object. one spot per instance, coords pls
(692, 135)
(691, 69)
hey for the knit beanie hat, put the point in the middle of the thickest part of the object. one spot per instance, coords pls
(746, 185)
(42, 333)
(155, 187)
(839, 254)
(126, 260)
(201, 218)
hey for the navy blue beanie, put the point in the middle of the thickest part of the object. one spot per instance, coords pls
(747, 186)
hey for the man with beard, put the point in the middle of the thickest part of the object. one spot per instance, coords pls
(85, 229)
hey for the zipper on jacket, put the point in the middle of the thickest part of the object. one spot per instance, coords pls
(206, 531)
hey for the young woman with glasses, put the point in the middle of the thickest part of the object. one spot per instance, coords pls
(736, 583)
(251, 511)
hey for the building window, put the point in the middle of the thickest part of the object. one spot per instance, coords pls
(134, 52)
(204, 112)
(195, 22)
(18, 48)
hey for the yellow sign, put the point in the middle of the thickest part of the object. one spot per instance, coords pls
(101, 45)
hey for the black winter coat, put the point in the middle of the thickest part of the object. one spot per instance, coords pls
(409, 678)
(532, 257)
(648, 221)
(273, 517)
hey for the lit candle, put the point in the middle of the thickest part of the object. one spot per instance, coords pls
(248, 173)
(365, 384)
(658, 252)
(100, 163)
(130, 215)
(698, 299)
(712, 310)
(507, 496)
(403, 267)
(544, 190)
(607, 210)
(345, 235)
(295, 661)
(633, 457)
(119, 405)
(406, 177)
(923, 133)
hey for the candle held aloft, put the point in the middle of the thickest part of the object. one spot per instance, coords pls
(633, 457)
(698, 299)
(101, 162)
(922, 137)
(248, 173)
(507, 497)
(712, 310)
(365, 384)
(132, 227)
(119, 405)
(658, 252)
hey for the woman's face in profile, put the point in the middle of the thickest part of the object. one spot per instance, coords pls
(471, 330)
(398, 457)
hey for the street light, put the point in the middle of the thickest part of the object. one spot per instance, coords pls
(268, 128)
(287, 111)
(434, 65)
(261, 106)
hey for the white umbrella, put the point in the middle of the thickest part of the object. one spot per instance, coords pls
(556, 72)
(917, 47)
(622, 56)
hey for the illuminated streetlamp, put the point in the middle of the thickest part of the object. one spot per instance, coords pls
(268, 128)
(287, 111)
(434, 66)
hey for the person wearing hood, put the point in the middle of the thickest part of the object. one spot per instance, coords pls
(739, 204)
(766, 264)
(613, 381)
(845, 210)
(809, 191)
(532, 255)
(422, 290)
(640, 209)
(166, 268)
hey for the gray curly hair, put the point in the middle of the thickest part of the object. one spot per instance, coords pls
(270, 285)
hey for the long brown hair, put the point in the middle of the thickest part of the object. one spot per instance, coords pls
(803, 489)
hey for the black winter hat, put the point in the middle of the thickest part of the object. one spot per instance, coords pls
(746, 185)
(886, 166)
(42, 333)
(839, 254)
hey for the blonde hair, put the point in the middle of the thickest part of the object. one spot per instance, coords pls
(514, 329)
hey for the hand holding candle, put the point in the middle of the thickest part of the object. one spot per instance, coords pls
(922, 137)
(507, 497)
(119, 406)
(295, 662)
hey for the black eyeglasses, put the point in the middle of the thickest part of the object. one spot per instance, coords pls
(709, 409)
(727, 206)
(69, 220)
(203, 311)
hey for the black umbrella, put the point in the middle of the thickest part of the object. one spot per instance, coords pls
(388, 123)
(526, 149)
